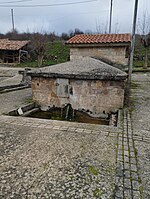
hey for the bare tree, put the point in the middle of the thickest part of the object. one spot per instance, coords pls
(144, 29)
(74, 32)
(12, 34)
(39, 44)
(102, 28)
(116, 28)
(89, 32)
(65, 36)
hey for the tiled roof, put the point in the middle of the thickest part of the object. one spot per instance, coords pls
(6, 44)
(99, 39)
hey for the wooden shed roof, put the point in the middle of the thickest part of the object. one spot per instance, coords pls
(6, 44)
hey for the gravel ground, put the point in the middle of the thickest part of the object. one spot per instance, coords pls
(9, 76)
(53, 159)
(11, 80)
(40, 159)
(13, 100)
(3, 78)
(9, 71)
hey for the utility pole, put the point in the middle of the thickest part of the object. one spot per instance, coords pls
(132, 42)
(110, 19)
(12, 18)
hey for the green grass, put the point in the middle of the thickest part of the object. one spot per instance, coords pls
(140, 51)
(32, 64)
(138, 64)
(60, 50)
(97, 193)
(55, 49)
(93, 170)
(29, 100)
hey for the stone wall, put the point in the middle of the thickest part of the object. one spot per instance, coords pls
(116, 54)
(93, 95)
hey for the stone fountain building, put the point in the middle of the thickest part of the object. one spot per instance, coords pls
(87, 84)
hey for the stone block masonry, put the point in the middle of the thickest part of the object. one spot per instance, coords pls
(87, 84)
(96, 96)
(113, 54)
(111, 47)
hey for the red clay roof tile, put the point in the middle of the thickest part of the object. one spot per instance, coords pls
(99, 38)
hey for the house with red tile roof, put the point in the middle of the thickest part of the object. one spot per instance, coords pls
(112, 48)
(12, 51)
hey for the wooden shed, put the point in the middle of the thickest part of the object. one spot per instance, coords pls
(13, 51)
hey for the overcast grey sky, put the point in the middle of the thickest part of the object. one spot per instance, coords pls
(58, 19)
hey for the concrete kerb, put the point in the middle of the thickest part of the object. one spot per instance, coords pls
(25, 109)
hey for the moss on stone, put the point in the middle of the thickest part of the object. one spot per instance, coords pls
(141, 191)
(98, 193)
(93, 170)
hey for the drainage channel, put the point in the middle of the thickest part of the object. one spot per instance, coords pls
(63, 114)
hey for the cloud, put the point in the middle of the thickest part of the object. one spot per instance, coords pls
(63, 18)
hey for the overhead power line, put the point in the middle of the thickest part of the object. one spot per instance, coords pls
(46, 15)
(48, 5)
(19, 1)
